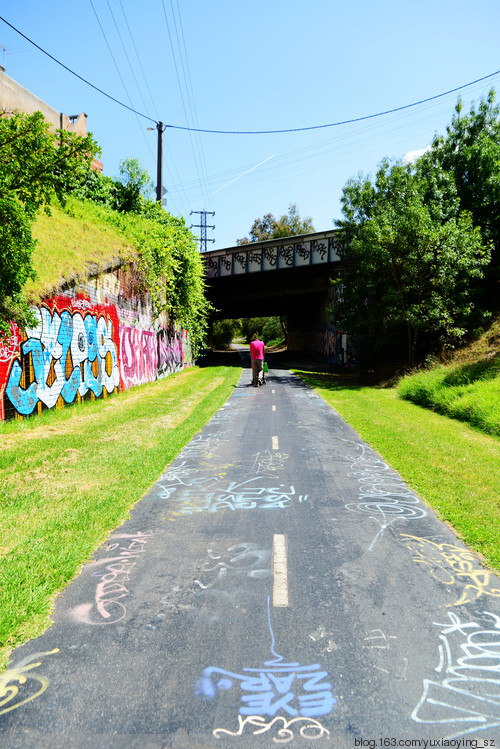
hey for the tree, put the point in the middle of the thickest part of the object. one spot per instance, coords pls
(224, 332)
(288, 225)
(470, 152)
(134, 183)
(35, 166)
(411, 256)
(16, 266)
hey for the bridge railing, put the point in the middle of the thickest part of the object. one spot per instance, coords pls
(289, 252)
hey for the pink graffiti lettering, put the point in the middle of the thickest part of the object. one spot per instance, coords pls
(139, 358)
(108, 607)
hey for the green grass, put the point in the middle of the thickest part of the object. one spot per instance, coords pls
(469, 392)
(452, 466)
(465, 388)
(68, 241)
(69, 477)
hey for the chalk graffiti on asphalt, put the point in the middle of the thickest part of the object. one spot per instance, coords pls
(451, 565)
(235, 496)
(201, 446)
(290, 688)
(310, 728)
(466, 695)
(383, 494)
(267, 463)
(18, 685)
(182, 476)
(242, 560)
(219, 591)
(108, 606)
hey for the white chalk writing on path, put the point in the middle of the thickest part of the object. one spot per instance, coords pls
(242, 560)
(219, 588)
(383, 495)
(235, 496)
(466, 695)
(309, 728)
(268, 463)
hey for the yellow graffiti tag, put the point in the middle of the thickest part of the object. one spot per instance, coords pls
(451, 564)
(9, 690)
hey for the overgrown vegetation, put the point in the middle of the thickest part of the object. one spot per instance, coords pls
(467, 388)
(168, 265)
(40, 169)
(69, 241)
(272, 330)
(420, 239)
(61, 499)
(35, 166)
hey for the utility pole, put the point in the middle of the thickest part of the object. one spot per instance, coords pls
(160, 191)
(203, 228)
(159, 164)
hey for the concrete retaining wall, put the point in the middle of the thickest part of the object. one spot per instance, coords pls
(90, 341)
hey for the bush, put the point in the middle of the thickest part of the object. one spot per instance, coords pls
(223, 333)
(267, 328)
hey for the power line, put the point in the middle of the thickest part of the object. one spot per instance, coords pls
(341, 122)
(126, 56)
(138, 58)
(257, 132)
(188, 102)
(96, 88)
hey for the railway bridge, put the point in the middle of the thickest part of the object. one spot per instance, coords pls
(287, 277)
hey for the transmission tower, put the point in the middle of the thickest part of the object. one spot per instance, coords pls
(203, 228)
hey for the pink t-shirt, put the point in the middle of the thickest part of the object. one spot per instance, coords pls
(257, 349)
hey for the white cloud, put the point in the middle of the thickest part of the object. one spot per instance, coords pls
(412, 156)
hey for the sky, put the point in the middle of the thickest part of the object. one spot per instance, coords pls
(255, 66)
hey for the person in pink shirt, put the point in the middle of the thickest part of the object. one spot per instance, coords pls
(257, 350)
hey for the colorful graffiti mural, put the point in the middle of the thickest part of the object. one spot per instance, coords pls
(80, 349)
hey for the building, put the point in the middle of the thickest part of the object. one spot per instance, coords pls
(16, 98)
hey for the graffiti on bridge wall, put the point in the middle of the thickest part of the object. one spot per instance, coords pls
(334, 345)
(77, 350)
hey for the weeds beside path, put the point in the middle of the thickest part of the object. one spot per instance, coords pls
(70, 477)
(453, 467)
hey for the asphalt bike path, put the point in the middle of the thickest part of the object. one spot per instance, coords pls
(279, 584)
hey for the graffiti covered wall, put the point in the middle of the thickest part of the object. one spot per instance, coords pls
(89, 342)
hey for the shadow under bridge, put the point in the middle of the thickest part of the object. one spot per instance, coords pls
(289, 276)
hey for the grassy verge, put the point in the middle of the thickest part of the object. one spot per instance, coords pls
(453, 467)
(467, 388)
(69, 477)
(68, 241)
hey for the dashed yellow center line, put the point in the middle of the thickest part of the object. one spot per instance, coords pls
(274, 408)
(275, 443)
